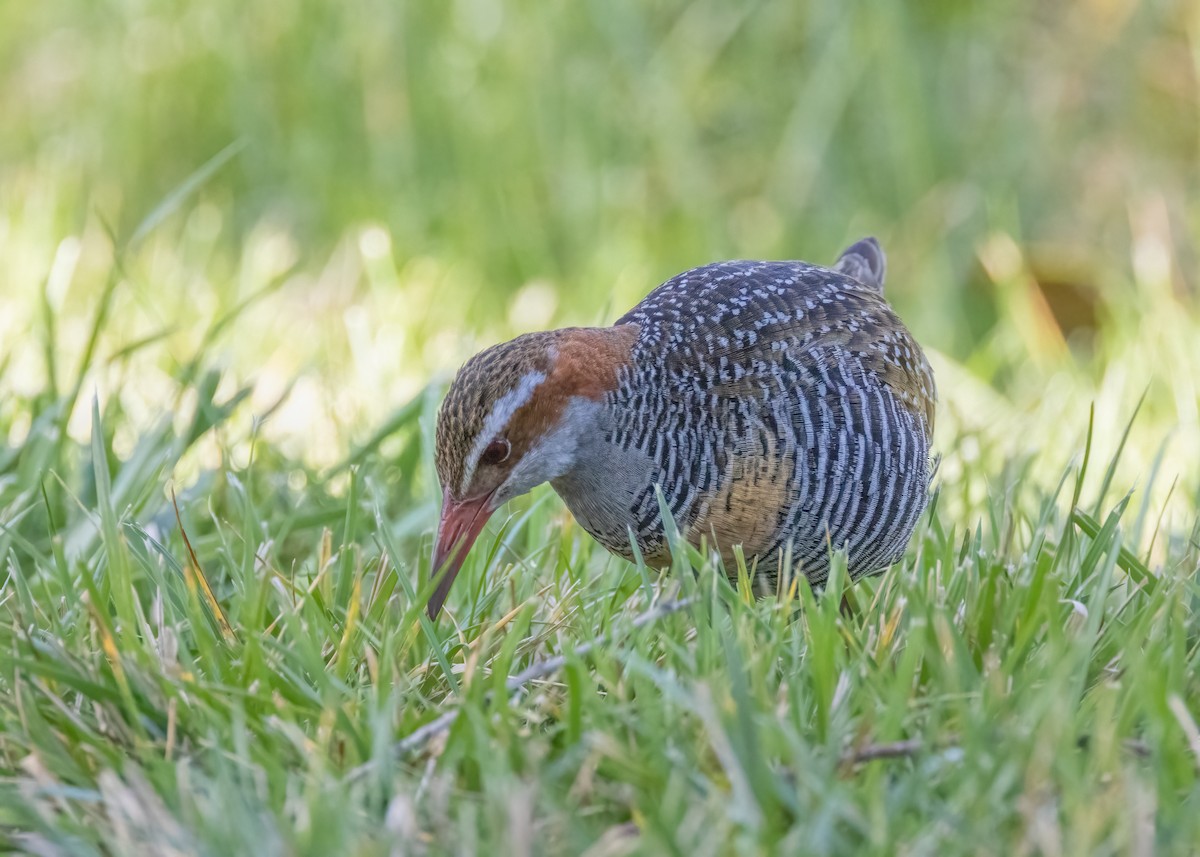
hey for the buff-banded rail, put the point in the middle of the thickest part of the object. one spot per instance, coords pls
(782, 407)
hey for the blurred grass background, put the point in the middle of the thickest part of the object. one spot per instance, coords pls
(415, 180)
(257, 230)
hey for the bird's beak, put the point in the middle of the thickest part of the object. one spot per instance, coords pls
(460, 525)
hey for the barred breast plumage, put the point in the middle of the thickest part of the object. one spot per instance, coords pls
(777, 406)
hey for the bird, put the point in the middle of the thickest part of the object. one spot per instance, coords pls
(779, 407)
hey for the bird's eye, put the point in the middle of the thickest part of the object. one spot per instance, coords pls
(496, 452)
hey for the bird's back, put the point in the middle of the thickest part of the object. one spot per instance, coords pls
(778, 406)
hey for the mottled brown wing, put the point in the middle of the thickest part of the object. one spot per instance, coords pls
(731, 327)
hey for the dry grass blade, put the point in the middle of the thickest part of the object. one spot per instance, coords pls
(198, 577)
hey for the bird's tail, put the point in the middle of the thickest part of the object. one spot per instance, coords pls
(864, 261)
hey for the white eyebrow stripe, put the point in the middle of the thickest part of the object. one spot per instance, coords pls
(502, 412)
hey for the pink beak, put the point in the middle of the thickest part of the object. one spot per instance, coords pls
(460, 525)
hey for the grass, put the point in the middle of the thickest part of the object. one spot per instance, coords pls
(242, 244)
(1043, 698)
(238, 661)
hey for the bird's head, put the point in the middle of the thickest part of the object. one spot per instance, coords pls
(512, 420)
